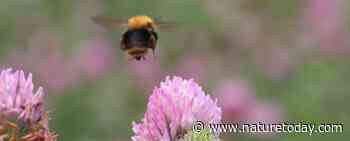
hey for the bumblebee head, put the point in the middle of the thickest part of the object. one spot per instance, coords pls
(138, 22)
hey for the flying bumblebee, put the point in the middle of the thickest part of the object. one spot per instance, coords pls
(139, 38)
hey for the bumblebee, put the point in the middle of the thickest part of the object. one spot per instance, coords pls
(140, 36)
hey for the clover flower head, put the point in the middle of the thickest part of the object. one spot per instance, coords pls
(17, 98)
(21, 108)
(173, 108)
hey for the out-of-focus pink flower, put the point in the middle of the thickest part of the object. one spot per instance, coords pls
(240, 105)
(324, 20)
(16, 59)
(235, 97)
(192, 66)
(56, 72)
(17, 98)
(96, 57)
(46, 60)
(49, 64)
(265, 112)
(276, 63)
(146, 73)
(173, 108)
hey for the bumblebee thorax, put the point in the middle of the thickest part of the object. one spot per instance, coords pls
(138, 22)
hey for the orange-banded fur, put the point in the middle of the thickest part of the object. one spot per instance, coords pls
(138, 22)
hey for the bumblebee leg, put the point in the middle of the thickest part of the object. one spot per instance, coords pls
(154, 53)
(128, 57)
(138, 58)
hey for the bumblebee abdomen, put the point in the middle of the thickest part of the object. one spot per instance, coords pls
(137, 38)
(137, 42)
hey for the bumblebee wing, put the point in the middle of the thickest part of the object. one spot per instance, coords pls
(153, 44)
(166, 25)
(109, 23)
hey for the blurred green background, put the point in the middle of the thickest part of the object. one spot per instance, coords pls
(292, 52)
